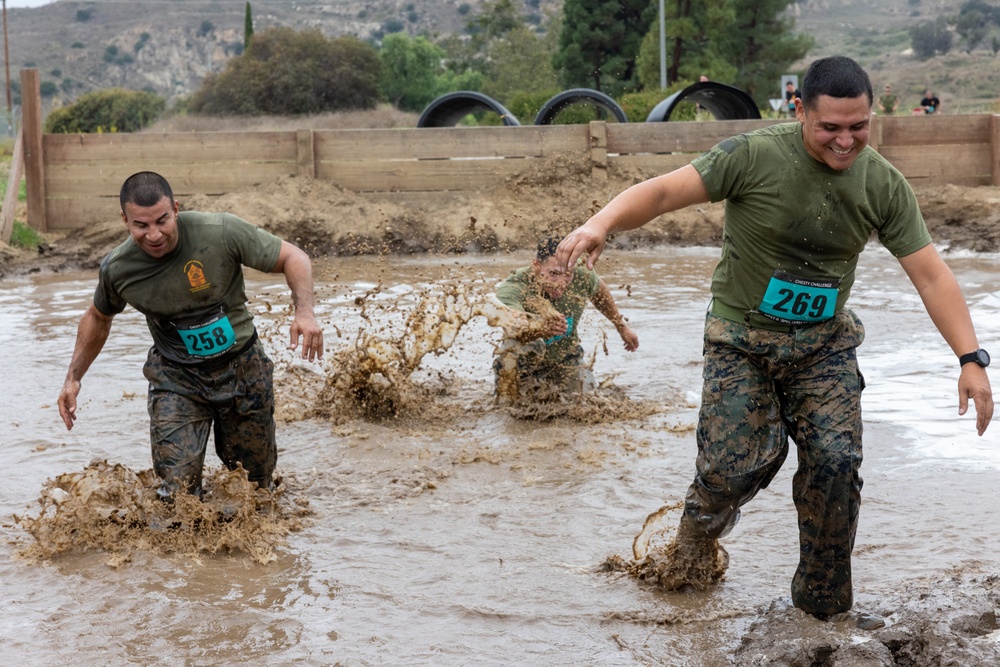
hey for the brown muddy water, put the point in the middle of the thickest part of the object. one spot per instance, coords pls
(456, 533)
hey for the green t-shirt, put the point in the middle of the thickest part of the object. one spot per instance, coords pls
(787, 212)
(193, 298)
(888, 102)
(521, 291)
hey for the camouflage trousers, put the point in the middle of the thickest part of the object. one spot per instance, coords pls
(235, 396)
(534, 369)
(760, 389)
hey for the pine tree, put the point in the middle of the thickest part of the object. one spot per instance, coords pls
(247, 26)
(600, 41)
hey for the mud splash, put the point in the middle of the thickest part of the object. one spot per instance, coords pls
(371, 377)
(111, 508)
(687, 560)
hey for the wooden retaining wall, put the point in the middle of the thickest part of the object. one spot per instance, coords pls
(73, 180)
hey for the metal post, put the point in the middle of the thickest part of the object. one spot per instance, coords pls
(6, 62)
(663, 49)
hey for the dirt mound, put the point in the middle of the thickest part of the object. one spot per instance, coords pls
(549, 198)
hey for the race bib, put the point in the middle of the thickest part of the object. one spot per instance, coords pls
(209, 339)
(569, 332)
(793, 300)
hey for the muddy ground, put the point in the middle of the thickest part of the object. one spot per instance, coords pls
(952, 621)
(551, 198)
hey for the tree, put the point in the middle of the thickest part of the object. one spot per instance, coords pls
(745, 43)
(974, 21)
(247, 26)
(930, 38)
(285, 72)
(762, 45)
(599, 43)
(519, 62)
(411, 67)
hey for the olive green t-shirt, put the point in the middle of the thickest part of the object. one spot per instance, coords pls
(193, 298)
(788, 214)
(521, 291)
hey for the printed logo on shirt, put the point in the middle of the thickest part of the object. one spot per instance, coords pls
(195, 272)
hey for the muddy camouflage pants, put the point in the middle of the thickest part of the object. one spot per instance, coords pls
(235, 396)
(760, 389)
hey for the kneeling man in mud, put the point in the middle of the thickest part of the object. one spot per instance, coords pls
(547, 359)
(206, 368)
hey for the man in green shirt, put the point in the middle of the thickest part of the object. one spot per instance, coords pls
(206, 368)
(549, 354)
(802, 200)
(888, 102)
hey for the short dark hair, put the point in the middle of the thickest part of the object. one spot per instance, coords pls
(836, 76)
(145, 188)
(546, 248)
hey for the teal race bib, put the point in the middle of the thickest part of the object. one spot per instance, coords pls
(209, 339)
(793, 300)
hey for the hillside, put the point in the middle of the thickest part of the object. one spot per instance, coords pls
(168, 47)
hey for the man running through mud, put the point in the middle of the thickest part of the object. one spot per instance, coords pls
(549, 357)
(802, 200)
(206, 368)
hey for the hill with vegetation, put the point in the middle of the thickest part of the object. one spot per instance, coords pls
(169, 47)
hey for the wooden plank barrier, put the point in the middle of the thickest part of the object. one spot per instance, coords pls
(82, 173)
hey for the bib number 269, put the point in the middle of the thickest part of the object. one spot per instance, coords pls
(791, 299)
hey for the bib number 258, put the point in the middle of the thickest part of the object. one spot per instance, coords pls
(209, 339)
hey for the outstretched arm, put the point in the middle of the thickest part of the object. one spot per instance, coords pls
(297, 267)
(605, 303)
(631, 209)
(945, 304)
(91, 335)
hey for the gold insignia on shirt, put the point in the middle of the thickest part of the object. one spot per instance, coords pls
(195, 272)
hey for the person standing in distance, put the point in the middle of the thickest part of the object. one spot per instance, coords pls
(888, 102)
(779, 344)
(791, 94)
(206, 367)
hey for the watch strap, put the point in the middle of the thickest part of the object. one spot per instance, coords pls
(973, 357)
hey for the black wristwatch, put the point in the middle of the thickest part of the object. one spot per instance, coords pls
(980, 356)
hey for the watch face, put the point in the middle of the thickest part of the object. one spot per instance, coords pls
(982, 358)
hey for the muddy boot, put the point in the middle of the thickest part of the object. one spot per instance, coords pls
(692, 559)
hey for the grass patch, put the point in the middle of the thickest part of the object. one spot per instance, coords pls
(23, 236)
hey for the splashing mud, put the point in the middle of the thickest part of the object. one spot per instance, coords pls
(688, 560)
(371, 378)
(111, 508)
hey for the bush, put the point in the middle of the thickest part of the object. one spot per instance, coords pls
(23, 236)
(525, 106)
(284, 72)
(638, 105)
(110, 110)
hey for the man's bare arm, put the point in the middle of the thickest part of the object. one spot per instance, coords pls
(297, 267)
(947, 308)
(631, 209)
(91, 335)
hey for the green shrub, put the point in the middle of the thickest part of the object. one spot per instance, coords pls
(638, 105)
(284, 72)
(109, 110)
(23, 236)
(525, 106)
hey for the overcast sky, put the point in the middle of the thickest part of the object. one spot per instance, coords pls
(27, 3)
